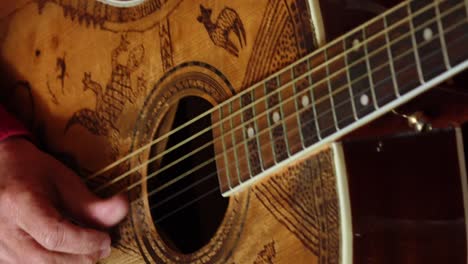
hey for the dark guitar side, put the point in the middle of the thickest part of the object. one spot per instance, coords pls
(406, 199)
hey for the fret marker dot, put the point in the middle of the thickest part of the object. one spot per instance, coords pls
(305, 100)
(276, 117)
(250, 132)
(364, 99)
(427, 34)
(356, 44)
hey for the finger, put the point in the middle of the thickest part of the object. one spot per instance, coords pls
(55, 233)
(84, 205)
(38, 255)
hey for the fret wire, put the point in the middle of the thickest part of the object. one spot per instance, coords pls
(415, 46)
(390, 59)
(312, 100)
(330, 91)
(257, 130)
(441, 36)
(267, 110)
(371, 81)
(351, 94)
(246, 137)
(224, 147)
(298, 116)
(112, 165)
(234, 144)
(282, 117)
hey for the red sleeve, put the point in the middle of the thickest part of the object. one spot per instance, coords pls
(9, 126)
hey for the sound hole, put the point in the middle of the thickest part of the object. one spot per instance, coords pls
(187, 213)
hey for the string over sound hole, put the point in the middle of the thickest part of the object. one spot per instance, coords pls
(122, 3)
(187, 207)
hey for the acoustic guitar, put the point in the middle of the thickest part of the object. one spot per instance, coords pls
(218, 120)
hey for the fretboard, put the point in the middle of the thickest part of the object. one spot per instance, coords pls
(344, 85)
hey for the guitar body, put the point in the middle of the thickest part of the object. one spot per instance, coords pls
(96, 82)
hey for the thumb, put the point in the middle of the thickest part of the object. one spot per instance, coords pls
(83, 205)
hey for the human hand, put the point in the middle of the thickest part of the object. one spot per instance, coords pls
(34, 190)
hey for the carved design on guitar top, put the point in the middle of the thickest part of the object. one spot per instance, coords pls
(61, 68)
(228, 21)
(97, 14)
(267, 255)
(304, 200)
(53, 96)
(285, 35)
(110, 101)
(165, 41)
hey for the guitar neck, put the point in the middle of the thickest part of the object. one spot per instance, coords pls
(340, 87)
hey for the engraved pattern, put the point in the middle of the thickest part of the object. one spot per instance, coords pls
(61, 68)
(228, 21)
(111, 101)
(97, 14)
(305, 201)
(166, 45)
(267, 255)
(285, 35)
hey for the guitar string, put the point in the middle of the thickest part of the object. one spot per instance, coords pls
(185, 205)
(208, 112)
(122, 3)
(243, 156)
(174, 195)
(294, 131)
(179, 160)
(240, 127)
(178, 209)
(290, 67)
(206, 163)
(165, 216)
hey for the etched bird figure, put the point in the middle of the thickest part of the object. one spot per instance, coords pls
(228, 21)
